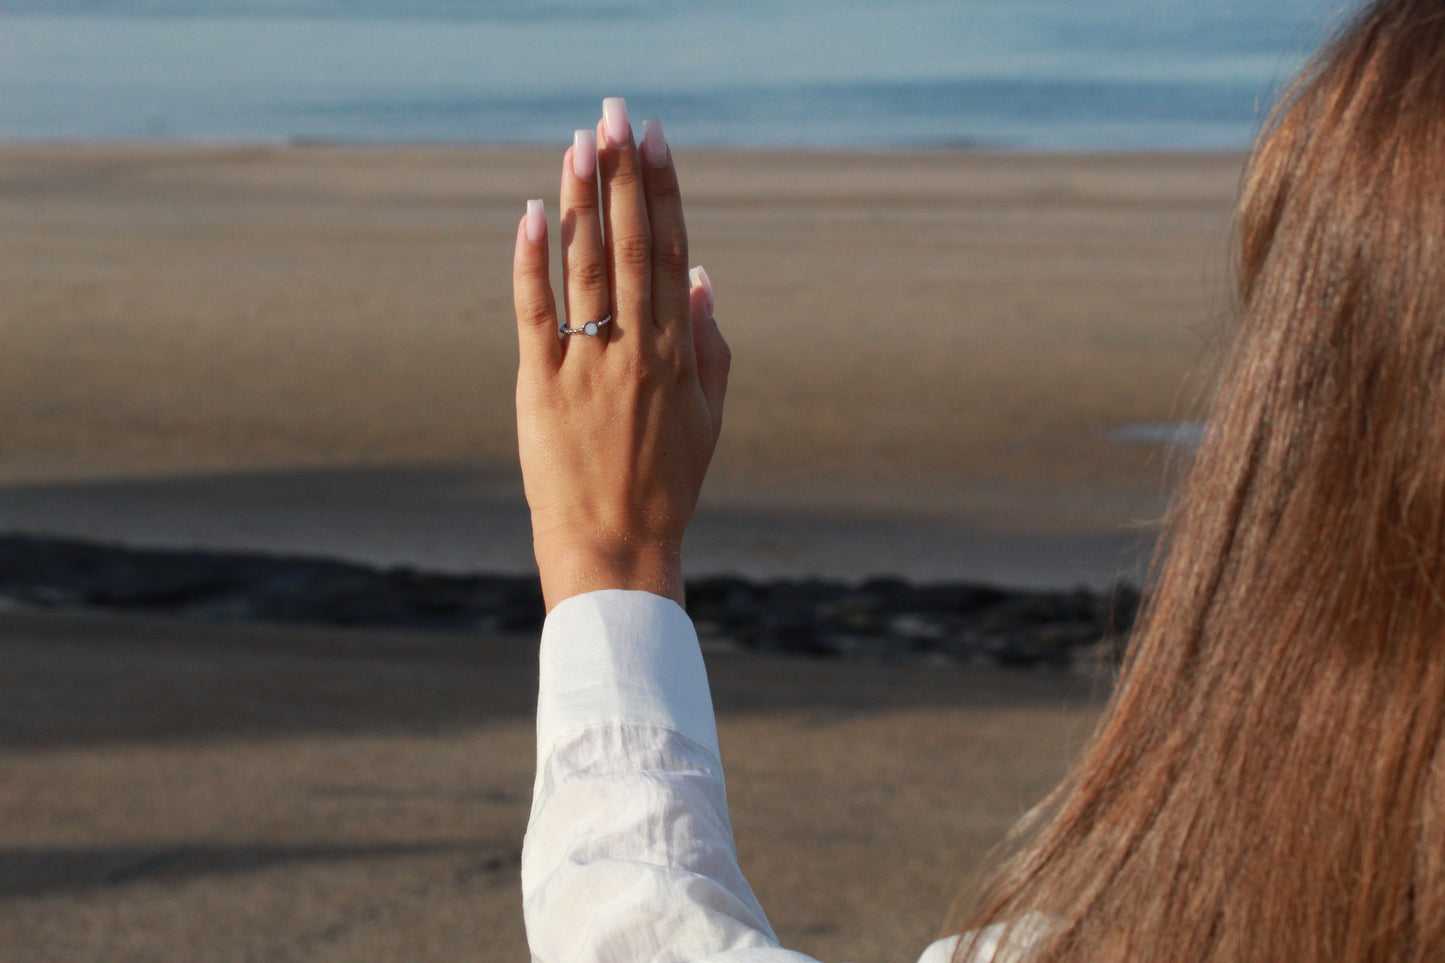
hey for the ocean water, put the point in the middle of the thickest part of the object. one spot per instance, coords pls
(1005, 74)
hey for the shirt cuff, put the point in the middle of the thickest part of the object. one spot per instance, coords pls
(618, 656)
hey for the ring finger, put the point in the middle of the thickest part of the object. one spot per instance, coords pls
(584, 264)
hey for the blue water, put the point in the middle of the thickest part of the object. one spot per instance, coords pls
(1025, 74)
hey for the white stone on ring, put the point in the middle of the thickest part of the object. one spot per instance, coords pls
(591, 328)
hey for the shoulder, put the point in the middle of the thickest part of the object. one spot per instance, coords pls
(1000, 943)
(940, 952)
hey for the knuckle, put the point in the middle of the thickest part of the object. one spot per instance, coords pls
(534, 309)
(588, 275)
(631, 251)
(584, 202)
(625, 176)
(722, 360)
(685, 370)
(670, 253)
(668, 347)
(638, 370)
(663, 195)
(717, 353)
(665, 190)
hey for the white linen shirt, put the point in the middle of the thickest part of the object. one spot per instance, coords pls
(629, 855)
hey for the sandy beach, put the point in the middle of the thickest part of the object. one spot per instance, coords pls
(256, 347)
(311, 349)
(195, 793)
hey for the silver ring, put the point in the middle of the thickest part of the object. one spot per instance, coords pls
(591, 328)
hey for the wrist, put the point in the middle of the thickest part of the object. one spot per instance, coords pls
(572, 568)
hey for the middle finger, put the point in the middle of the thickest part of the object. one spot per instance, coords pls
(629, 238)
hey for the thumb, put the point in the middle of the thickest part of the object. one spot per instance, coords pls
(714, 357)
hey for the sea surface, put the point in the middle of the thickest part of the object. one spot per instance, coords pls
(1049, 75)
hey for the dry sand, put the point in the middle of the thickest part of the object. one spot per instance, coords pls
(194, 793)
(222, 346)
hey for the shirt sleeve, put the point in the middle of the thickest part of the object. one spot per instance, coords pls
(629, 855)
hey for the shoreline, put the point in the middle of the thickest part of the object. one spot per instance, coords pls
(541, 146)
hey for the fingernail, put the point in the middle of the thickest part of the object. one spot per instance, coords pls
(584, 154)
(699, 278)
(614, 112)
(654, 145)
(536, 221)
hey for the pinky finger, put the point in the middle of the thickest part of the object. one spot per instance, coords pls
(532, 291)
(714, 357)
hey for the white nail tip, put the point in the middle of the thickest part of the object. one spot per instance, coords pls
(584, 153)
(536, 220)
(698, 277)
(614, 111)
(654, 144)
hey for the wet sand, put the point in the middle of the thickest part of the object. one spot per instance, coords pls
(222, 346)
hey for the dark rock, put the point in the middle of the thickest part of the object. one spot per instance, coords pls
(881, 618)
(56, 573)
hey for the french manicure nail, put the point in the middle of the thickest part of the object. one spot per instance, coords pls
(699, 278)
(584, 154)
(536, 221)
(614, 111)
(654, 145)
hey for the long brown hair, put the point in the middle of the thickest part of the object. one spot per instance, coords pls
(1268, 782)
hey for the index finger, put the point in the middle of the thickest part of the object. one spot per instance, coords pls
(532, 291)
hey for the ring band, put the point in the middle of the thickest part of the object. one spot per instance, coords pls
(591, 328)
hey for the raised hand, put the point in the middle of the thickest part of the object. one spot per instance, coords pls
(616, 421)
